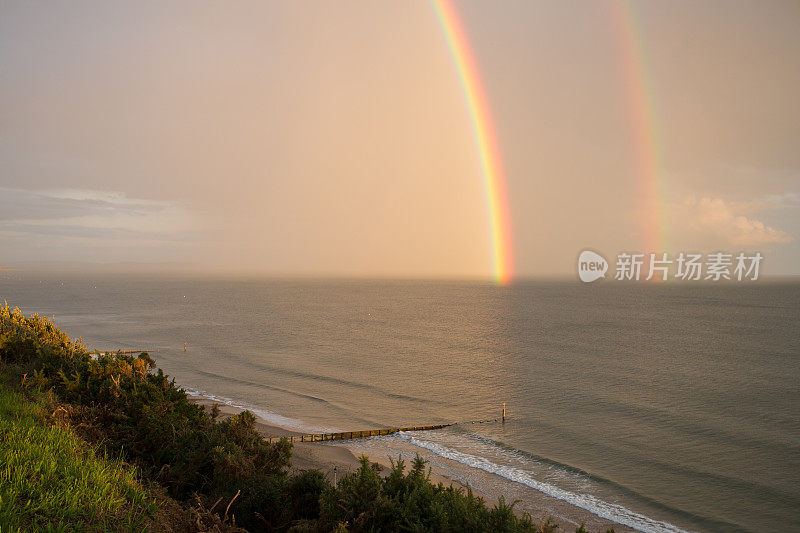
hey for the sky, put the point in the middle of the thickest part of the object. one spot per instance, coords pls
(333, 138)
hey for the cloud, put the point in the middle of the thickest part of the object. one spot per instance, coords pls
(775, 201)
(43, 221)
(732, 222)
(90, 209)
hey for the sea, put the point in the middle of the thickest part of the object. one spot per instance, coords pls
(672, 407)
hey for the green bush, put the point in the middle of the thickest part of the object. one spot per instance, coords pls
(365, 501)
(138, 414)
(303, 494)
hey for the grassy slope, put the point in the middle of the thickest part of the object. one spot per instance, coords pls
(51, 479)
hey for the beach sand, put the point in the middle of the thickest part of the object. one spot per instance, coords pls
(337, 460)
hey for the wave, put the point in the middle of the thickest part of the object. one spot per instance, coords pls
(330, 405)
(601, 508)
(269, 417)
(327, 379)
(668, 468)
(260, 385)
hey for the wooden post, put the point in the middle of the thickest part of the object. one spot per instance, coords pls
(504, 411)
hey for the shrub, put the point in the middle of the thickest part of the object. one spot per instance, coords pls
(133, 412)
(304, 491)
(367, 502)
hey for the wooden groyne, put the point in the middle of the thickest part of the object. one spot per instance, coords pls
(348, 435)
(115, 352)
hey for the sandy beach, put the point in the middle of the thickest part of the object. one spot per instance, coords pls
(336, 460)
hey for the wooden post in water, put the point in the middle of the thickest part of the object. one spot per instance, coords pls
(504, 411)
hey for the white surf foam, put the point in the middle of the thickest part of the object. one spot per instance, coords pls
(601, 508)
(269, 417)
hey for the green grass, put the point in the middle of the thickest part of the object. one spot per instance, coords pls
(51, 480)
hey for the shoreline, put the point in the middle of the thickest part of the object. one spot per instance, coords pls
(337, 460)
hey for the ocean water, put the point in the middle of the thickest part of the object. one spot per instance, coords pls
(667, 408)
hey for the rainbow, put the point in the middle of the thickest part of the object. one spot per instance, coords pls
(485, 138)
(640, 95)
